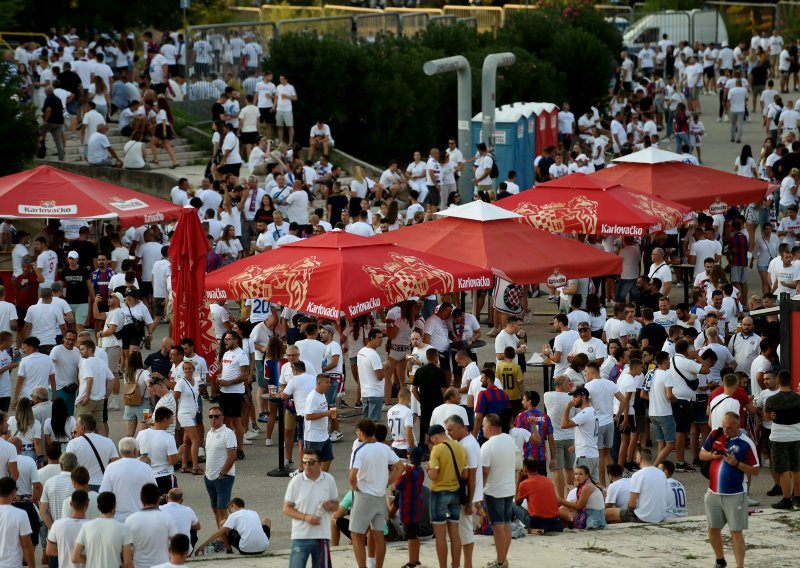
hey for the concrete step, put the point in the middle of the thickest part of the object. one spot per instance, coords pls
(186, 159)
(77, 150)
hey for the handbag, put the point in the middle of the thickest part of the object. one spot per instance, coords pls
(463, 492)
(133, 394)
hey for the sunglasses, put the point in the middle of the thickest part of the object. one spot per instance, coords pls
(214, 416)
(309, 462)
(581, 329)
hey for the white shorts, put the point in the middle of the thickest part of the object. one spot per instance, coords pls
(466, 527)
(186, 421)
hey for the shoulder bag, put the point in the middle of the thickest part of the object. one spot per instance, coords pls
(463, 492)
(133, 394)
(96, 455)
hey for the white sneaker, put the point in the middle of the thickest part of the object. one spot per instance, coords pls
(201, 452)
(294, 473)
(336, 436)
(113, 402)
(250, 434)
(269, 442)
(247, 442)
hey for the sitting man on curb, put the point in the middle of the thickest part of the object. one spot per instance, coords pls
(243, 530)
(542, 504)
(649, 492)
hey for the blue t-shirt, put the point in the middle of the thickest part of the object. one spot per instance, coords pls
(725, 479)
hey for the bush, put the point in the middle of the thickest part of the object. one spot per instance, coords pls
(18, 131)
(380, 103)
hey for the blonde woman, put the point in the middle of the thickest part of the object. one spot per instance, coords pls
(163, 131)
(23, 425)
(187, 393)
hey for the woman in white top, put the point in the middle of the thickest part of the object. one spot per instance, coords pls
(587, 509)
(448, 186)
(228, 247)
(766, 248)
(100, 96)
(163, 131)
(744, 165)
(134, 414)
(23, 425)
(187, 393)
(249, 348)
(355, 331)
(597, 315)
(59, 427)
(400, 321)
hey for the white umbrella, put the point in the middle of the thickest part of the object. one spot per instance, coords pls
(651, 155)
(479, 211)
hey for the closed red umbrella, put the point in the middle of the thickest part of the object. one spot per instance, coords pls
(653, 173)
(340, 272)
(488, 236)
(580, 203)
(47, 192)
(187, 253)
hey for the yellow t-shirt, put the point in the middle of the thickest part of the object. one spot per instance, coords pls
(510, 375)
(442, 459)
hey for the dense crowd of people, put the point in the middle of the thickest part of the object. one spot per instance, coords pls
(439, 429)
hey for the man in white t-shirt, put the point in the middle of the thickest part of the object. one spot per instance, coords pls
(400, 419)
(185, 518)
(482, 168)
(587, 429)
(265, 91)
(371, 375)
(737, 105)
(46, 262)
(320, 138)
(315, 420)
(125, 478)
(15, 544)
(562, 344)
(151, 529)
(703, 248)
(661, 270)
(98, 149)
(285, 95)
(35, 370)
(499, 482)
(231, 384)
(648, 495)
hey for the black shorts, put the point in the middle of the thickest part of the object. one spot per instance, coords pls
(105, 410)
(159, 133)
(173, 70)
(641, 423)
(231, 404)
(145, 289)
(631, 429)
(411, 530)
(434, 197)
(267, 116)
(671, 242)
(709, 72)
(126, 130)
(248, 137)
(234, 538)
(21, 313)
(167, 482)
(684, 416)
(230, 169)
(444, 361)
(159, 88)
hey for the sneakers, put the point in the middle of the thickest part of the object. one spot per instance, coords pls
(721, 563)
(201, 452)
(288, 464)
(696, 462)
(775, 491)
(493, 332)
(359, 404)
(263, 417)
(113, 402)
(796, 503)
(343, 403)
(386, 406)
(785, 504)
(247, 441)
(269, 442)
(250, 434)
(752, 502)
(336, 436)
(684, 468)
(295, 473)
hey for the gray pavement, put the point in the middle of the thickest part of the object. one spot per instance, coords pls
(265, 494)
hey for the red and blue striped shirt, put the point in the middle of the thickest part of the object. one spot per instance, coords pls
(545, 428)
(409, 488)
(491, 401)
(725, 479)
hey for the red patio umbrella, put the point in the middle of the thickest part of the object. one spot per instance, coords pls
(47, 192)
(579, 203)
(187, 253)
(695, 186)
(340, 272)
(488, 236)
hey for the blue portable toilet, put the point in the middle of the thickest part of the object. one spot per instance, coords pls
(514, 141)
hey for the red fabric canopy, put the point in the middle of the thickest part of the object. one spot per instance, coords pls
(695, 186)
(512, 250)
(187, 253)
(340, 272)
(47, 192)
(579, 203)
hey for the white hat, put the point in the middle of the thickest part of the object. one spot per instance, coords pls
(73, 254)
(582, 158)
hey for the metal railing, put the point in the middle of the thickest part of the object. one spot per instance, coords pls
(414, 23)
(10, 40)
(373, 27)
(242, 14)
(278, 12)
(744, 18)
(489, 18)
(341, 27)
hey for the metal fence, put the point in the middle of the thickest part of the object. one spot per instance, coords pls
(340, 27)
(743, 19)
(488, 18)
(373, 27)
(412, 24)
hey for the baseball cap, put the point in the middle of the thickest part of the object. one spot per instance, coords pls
(119, 297)
(435, 430)
(132, 292)
(580, 391)
(794, 172)
(329, 328)
(415, 455)
(582, 158)
(73, 254)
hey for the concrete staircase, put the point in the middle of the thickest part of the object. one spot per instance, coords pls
(184, 152)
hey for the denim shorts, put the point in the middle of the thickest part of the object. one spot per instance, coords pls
(373, 405)
(498, 508)
(662, 428)
(260, 380)
(332, 391)
(445, 504)
(219, 491)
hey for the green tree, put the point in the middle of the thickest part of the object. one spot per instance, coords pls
(18, 130)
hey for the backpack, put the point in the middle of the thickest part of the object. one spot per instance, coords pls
(494, 173)
(776, 119)
(133, 394)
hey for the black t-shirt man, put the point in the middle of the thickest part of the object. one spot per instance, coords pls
(338, 203)
(70, 81)
(655, 334)
(87, 252)
(76, 284)
(431, 382)
(56, 115)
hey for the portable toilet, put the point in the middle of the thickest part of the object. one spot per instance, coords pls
(546, 126)
(513, 144)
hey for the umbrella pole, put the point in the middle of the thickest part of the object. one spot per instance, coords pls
(279, 471)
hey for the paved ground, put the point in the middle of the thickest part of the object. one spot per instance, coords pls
(265, 494)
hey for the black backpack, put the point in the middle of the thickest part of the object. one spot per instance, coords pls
(494, 173)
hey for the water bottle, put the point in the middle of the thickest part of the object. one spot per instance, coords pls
(209, 549)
